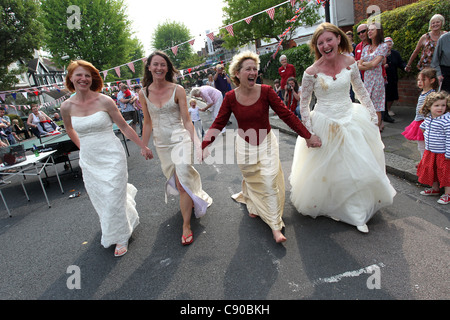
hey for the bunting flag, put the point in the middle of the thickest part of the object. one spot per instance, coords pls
(25, 94)
(104, 74)
(271, 12)
(210, 36)
(248, 20)
(131, 66)
(230, 29)
(293, 3)
(117, 69)
(191, 42)
(14, 95)
(175, 50)
(2, 96)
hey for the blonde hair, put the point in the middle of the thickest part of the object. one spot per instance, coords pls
(236, 64)
(344, 45)
(438, 17)
(97, 81)
(193, 100)
(432, 98)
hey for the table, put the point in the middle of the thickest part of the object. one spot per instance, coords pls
(32, 166)
(63, 143)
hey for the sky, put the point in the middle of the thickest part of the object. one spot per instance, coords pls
(197, 15)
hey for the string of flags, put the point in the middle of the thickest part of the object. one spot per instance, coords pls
(229, 28)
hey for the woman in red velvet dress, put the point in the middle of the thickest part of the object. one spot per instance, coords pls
(257, 156)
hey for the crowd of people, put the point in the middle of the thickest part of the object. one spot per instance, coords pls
(338, 168)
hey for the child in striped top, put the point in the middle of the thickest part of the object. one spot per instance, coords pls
(434, 168)
(427, 80)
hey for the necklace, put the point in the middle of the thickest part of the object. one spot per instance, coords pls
(372, 48)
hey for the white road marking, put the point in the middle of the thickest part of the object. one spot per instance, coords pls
(348, 274)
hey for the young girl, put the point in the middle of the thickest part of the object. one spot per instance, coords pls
(195, 117)
(427, 81)
(277, 88)
(434, 168)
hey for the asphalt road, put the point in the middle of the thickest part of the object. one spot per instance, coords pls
(47, 253)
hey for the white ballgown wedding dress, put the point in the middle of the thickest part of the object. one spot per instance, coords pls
(346, 178)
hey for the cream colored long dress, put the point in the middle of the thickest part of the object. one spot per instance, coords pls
(174, 148)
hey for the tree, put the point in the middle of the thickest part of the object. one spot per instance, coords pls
(20, 34)
(169, 34)
(93, 30)
(261, 25)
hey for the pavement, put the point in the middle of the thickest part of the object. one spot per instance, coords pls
(401, 155)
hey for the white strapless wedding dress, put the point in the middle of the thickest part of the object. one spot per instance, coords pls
(344, 179)
(105, 176)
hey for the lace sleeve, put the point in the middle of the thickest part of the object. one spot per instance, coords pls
(305, 99)
(362, 94)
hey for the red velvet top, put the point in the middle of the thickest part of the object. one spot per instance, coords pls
(254, 118)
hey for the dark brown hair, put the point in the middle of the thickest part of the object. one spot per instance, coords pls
(148, 78)
(431, 74)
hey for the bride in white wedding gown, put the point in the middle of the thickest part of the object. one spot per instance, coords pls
(345, 179)
(88, 117)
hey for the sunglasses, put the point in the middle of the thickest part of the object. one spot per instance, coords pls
(362, 31)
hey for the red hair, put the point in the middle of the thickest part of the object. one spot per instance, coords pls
(97, 81)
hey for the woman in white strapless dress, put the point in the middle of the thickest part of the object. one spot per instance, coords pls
(345, 179)
(88, 118)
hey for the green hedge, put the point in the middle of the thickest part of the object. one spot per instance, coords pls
(406, 24)
(299, 56)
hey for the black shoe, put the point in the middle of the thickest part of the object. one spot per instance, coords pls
(229, 122)
(388, 118)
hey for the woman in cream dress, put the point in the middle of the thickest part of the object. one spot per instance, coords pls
(346, 178)
(165, 109)
(257, 152)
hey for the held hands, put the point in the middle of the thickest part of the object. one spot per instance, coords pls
(313, 142)
(205, 153)
(147, 153)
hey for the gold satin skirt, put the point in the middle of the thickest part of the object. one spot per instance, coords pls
(263, 188)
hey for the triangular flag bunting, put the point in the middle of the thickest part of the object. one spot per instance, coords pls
(230, 29)
(131, 66)
(191, 42)
(117, 69)
(14, 95)
(271, 12)
(211, 36)
(293, 2)
(175, 50)
(248, 20)
(104, 74)
(2, 96)
(25, 95)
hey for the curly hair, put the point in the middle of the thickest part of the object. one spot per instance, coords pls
(236, 64)
(432, 98)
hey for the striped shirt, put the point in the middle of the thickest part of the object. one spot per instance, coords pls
(420, 101)
(437, 134)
